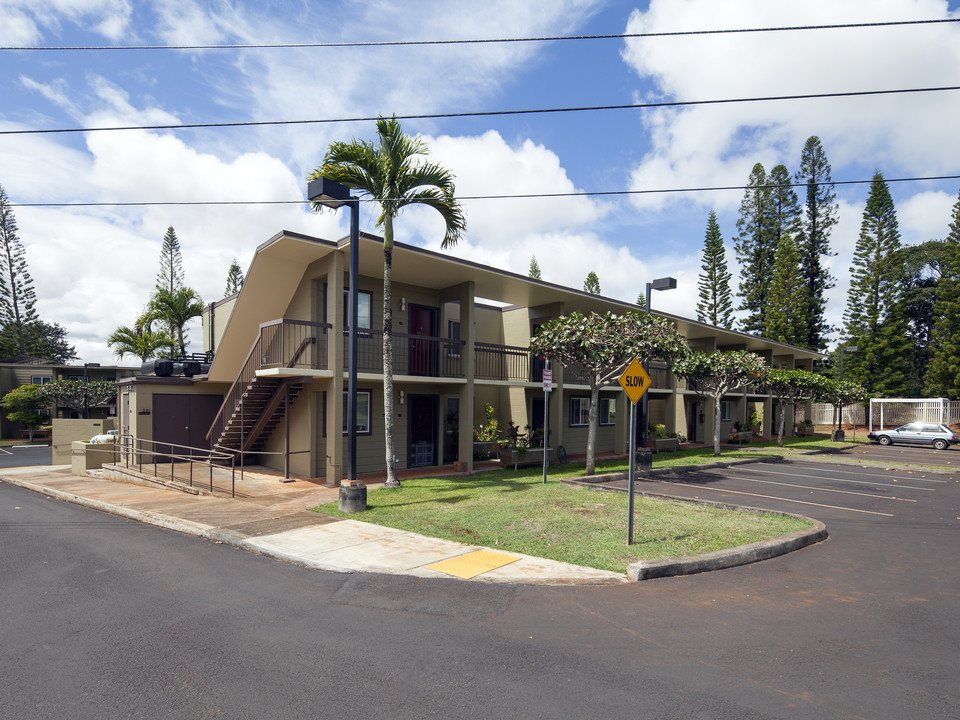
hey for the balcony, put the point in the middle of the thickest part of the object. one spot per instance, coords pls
(416, 355)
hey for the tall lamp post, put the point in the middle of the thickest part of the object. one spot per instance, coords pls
(644, 456)
(327, 192)
(838, 433)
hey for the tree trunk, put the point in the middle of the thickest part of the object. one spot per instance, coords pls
(716, 425)
(388, 414)
(592, 429)
(783, 419)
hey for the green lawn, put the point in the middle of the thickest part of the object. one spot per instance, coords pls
(515, 511)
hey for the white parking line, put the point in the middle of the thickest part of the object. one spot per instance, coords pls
(816, 489)
(801, 502)
(5, 451)
(883, 475)
(826, 477)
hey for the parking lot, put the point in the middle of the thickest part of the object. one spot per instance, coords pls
(828, 491)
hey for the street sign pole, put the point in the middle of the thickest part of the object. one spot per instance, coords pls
(635, 381)
(547, 381)
(633, 470)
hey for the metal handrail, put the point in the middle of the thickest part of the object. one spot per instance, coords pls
(131, 446)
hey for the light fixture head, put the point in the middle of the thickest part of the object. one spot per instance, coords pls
(851, 348)
(328, 192)
(664, 283)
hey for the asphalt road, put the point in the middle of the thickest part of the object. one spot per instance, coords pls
(23, 455)
(102, 618)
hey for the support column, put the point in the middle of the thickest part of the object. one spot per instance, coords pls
(468, 334)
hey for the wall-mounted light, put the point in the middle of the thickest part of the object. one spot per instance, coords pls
(403, 304)
(401, 397)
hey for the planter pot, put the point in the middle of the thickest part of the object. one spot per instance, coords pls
(658, 444)
(485, 450)
(533, 456)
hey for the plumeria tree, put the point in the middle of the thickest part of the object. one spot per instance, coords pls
(601, 346)
(25, 404)
(839, 393)
(714, 375)
(79, 395)
(788, 386)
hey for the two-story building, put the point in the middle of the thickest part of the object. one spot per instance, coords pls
(28, 370)
(277, 382)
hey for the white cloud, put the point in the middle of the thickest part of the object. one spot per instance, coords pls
(926, 215)
(33, 22)
(718, 144)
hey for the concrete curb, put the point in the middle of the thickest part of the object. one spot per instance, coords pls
(720, 559)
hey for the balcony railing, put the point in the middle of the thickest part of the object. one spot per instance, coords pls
(293, 344)
(504, 362)
(419, 355)
(658, 371)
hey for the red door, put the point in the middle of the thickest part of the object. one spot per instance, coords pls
(423, 355)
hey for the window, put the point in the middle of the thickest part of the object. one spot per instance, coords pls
(725, 410)
(608, 411)
(453, 332)
(579, 411)
(363, 412)
(40, 379)
(364, 303)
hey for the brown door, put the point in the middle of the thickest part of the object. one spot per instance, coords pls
(422, 430)
(423, 353)
(183, 420)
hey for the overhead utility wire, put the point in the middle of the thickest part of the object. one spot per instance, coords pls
(487, 113)
(482, 41)
(519, 196)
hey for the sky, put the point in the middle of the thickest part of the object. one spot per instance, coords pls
(94, 260)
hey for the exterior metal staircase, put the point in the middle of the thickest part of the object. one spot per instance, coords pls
(258, 399)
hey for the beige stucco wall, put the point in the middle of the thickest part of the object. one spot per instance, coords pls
(66, 431)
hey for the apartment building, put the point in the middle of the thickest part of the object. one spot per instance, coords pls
(277, 382)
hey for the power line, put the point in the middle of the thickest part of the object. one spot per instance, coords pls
(518, 196)
(484, 41)
(487, 113)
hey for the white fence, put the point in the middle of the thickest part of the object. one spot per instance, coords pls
(891, 412)
(896, 412)
(852, 414)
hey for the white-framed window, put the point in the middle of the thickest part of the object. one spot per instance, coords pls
(363, 412)
(40, 379)
(726, 410)
(579, 411)
(608, 411)
(364, 305)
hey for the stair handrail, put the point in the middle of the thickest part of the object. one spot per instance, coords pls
(251, 364)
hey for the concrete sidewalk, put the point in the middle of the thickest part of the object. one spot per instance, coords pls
(276, 522)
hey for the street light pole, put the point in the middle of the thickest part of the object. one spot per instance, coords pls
(645, 456)
(353, 495)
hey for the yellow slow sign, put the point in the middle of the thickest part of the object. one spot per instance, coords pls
(635, 381)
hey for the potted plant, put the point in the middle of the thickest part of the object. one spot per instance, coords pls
(486, 437)
(756, 423)
(805, 427)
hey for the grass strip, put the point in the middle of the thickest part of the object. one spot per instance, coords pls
(515, 511)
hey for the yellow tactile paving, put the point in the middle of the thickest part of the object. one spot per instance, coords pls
(473, 564)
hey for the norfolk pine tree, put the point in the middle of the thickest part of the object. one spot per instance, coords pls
(943, 371)
(782, 321)
(17, 296)
(755, 249)
(592, 283)
(534, 268)
(234, 279)
(819, 217)
(716, 304)
(170, 277)
(873, 319)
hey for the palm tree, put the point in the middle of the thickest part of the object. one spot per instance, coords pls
(174, 309)
(385, 171)
(140, 343)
